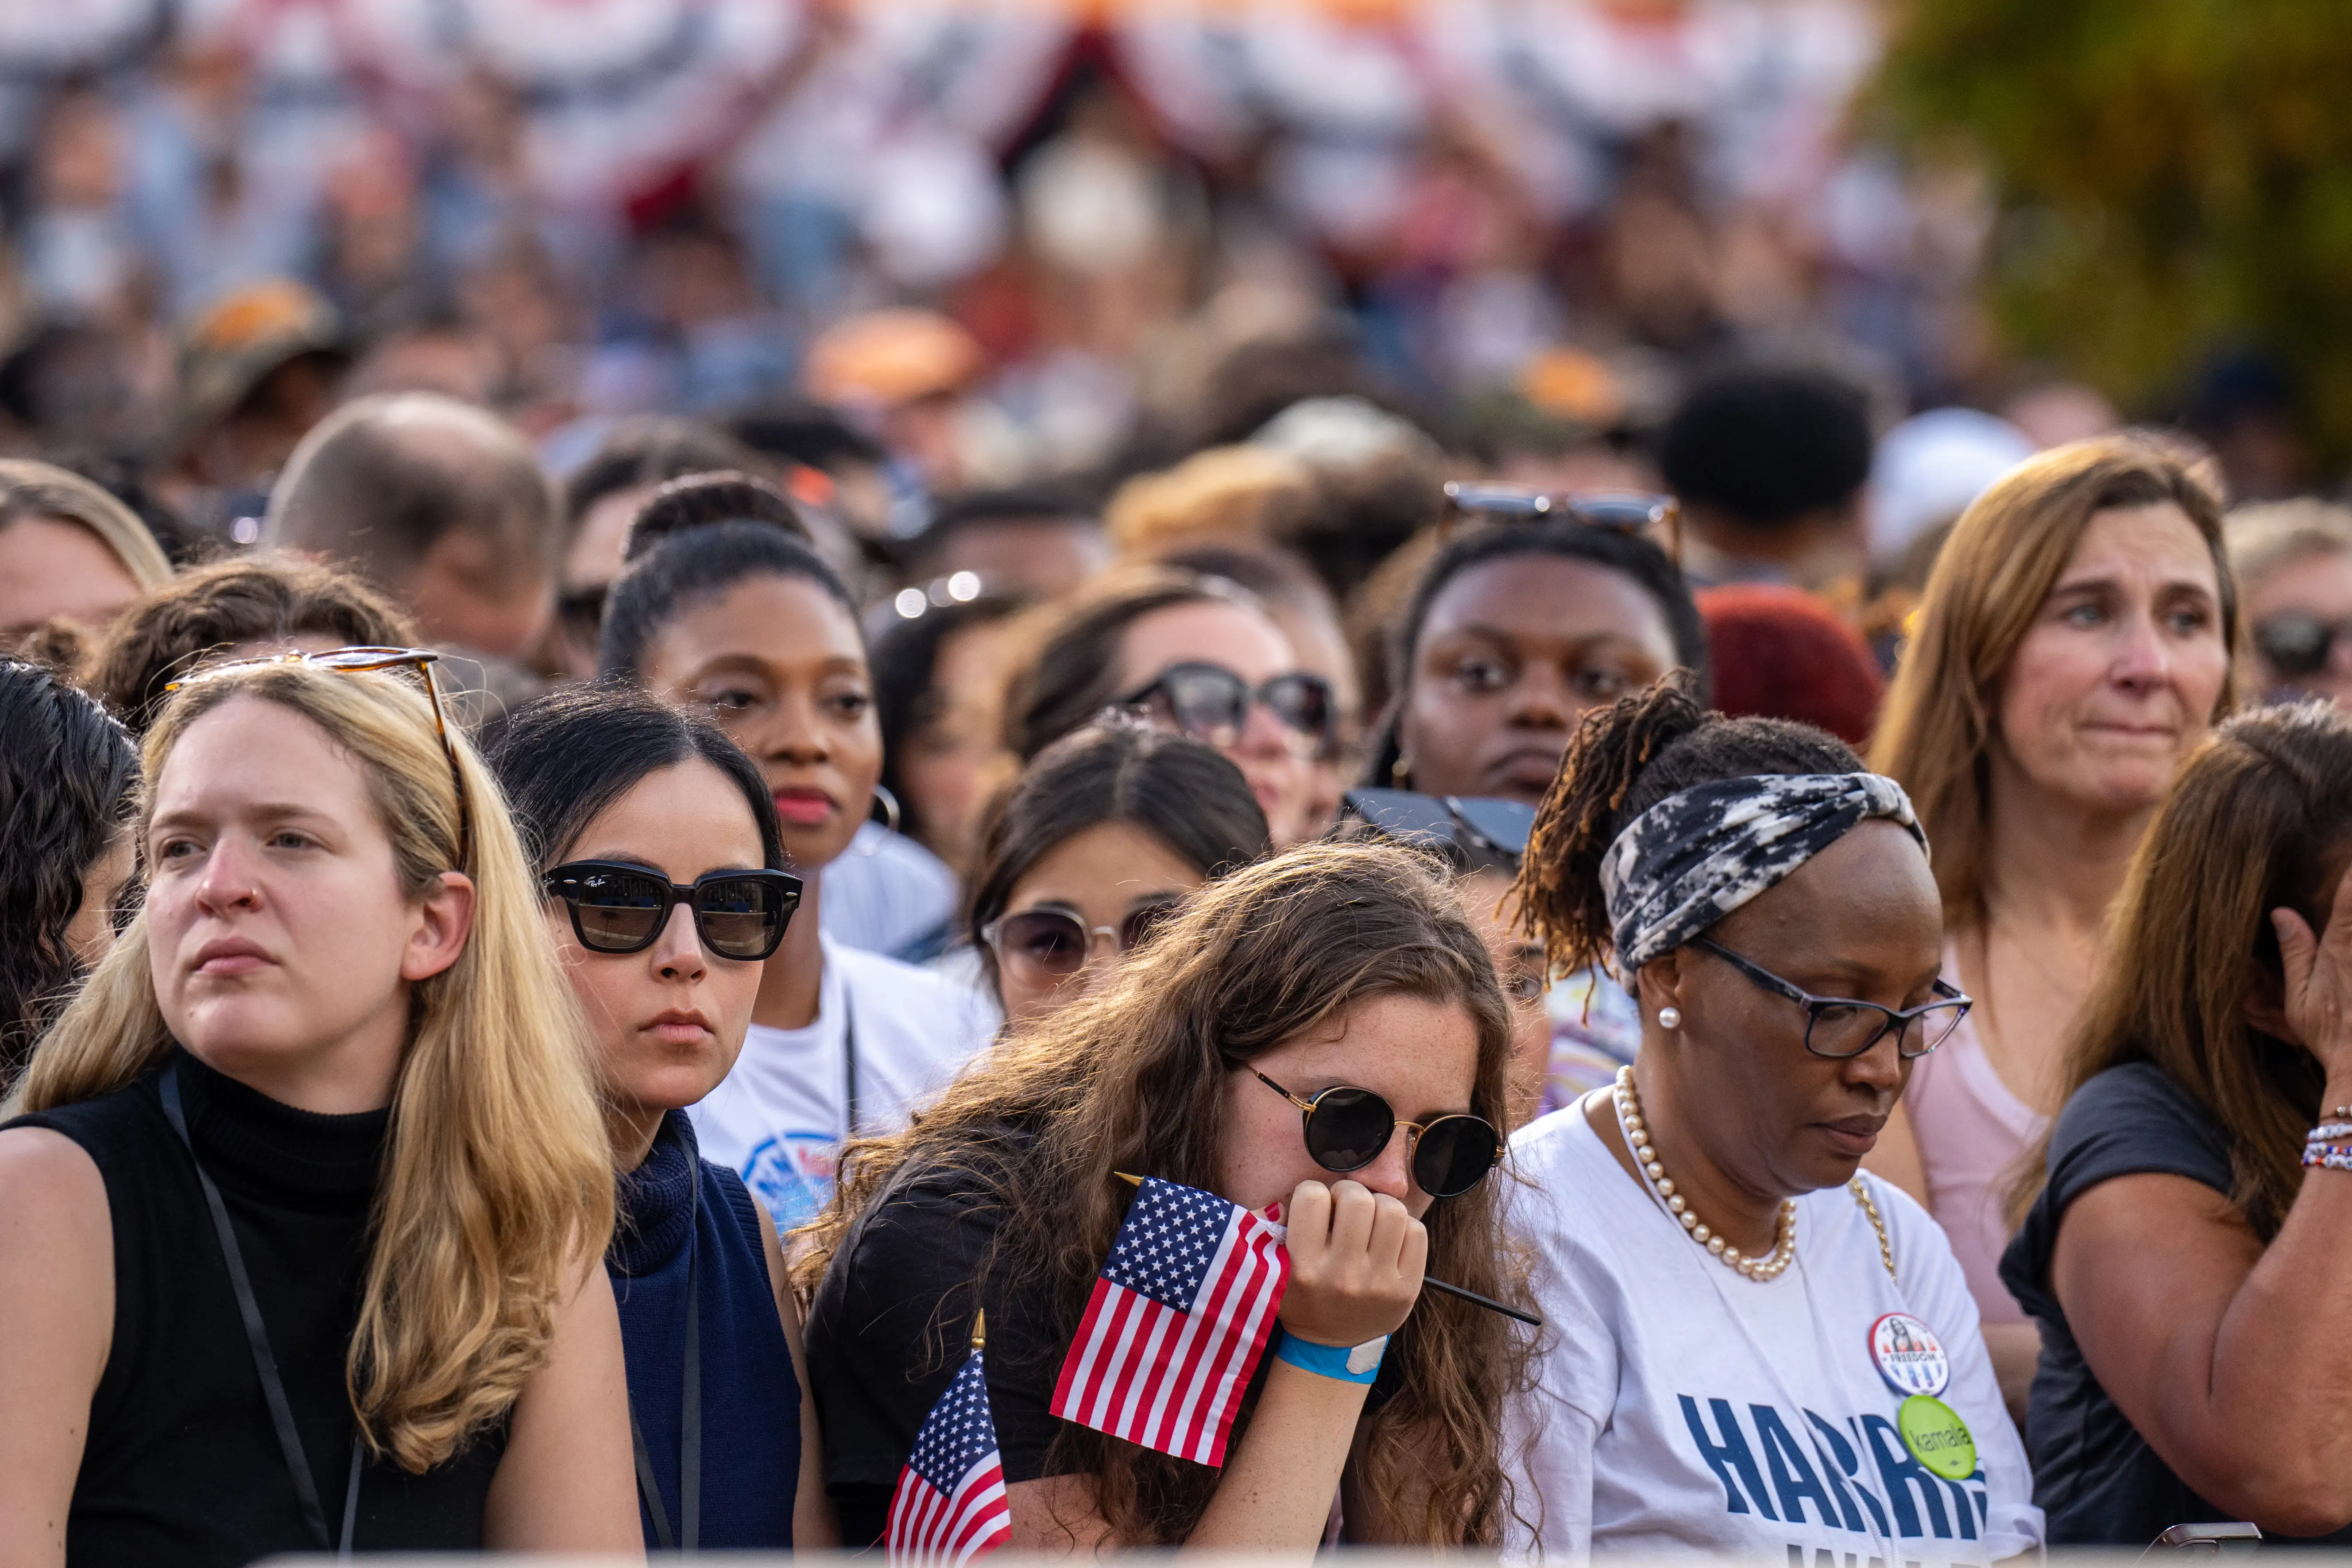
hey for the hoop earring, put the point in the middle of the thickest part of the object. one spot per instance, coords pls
(1670, 1018)
(889, 805)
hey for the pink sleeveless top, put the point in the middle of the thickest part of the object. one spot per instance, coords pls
(1970, 1129)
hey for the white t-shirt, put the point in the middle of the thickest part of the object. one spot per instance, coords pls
(885, 893)
(1681, 1407)
(779, 1117)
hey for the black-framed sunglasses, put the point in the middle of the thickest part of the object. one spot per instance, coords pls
(1657, 518)
(370, 661)
(1346, 1128)
(622, 909)
(1211, 703)
(1475, 832)
(2298, 645)
(1048, 946)
(1840, 1028)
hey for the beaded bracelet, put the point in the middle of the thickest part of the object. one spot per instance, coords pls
(2329, 1132)
(2334, 1156)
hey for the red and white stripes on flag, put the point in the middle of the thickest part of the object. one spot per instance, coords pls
(949, 1506)
(1180, 1313)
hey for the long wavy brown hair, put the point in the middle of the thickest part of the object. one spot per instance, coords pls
(1132, 1076)
(2260, 813)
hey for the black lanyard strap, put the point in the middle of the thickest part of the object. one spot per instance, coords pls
(689, 1422)
(264, 1364)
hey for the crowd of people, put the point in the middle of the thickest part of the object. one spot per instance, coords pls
(632, 808)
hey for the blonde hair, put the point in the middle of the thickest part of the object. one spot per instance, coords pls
(1226, 495)
(29, 489)
(1935, 731)
(497, 1177)
(2264, 538)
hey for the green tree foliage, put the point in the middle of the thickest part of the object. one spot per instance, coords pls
(2173, 174)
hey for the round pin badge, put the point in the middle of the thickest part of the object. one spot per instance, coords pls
(1936, 1436)
(1909, 1356)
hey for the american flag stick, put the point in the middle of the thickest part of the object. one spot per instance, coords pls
(1476, 1299)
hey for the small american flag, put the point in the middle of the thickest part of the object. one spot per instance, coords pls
(1181, 1312)
(949, 1506)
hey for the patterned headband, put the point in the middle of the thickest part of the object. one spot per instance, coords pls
(1695, 857)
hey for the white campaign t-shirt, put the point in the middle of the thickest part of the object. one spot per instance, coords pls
(1679, 1407)
(779, 1117)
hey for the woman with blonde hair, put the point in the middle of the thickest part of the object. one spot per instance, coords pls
(69, 551)
(1191, 1061)
(305, 1221)
(2183, 1236)
(2074, 646)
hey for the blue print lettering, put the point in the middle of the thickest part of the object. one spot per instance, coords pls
(1813, 1474)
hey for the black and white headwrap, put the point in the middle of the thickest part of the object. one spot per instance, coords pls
(1698, 855)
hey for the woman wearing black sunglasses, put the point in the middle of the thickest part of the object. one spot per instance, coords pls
(1092, 848)
(631, 810)
(1350, 1087)
(1757, 1349)
(1195, 655)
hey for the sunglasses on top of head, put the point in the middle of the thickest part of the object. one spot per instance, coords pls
(1657, 518)
(621, 908)
(1347, 1129)
(1211, 703)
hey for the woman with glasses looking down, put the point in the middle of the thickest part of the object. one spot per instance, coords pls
(303, 1227)
(1754, 1350)
(1191, 653)
(1349, 1089)
(1092, 849)
(656, 843)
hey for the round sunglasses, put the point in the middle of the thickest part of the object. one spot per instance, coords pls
(1046, 947)
(1347, 1129)
(1211, 703)
(622, 909)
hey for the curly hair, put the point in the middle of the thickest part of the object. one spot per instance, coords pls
(1624, 759)
(1131, 1078)
(69, 778)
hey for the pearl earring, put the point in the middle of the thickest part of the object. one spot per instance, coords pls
(1670, 1018)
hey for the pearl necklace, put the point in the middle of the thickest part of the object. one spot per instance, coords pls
(1645, 1160)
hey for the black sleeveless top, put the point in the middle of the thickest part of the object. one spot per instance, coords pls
(182, 1464)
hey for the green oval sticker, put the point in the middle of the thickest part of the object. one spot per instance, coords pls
(1938, 1438)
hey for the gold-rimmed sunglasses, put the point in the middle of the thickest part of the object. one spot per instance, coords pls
(369, 661)
(1643, 514)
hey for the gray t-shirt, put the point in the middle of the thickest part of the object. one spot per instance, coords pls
(2097, 1481)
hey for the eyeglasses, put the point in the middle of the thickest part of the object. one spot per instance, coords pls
(2296, 645)
(1046, 947)
(369, 661)
(1211, 703)
(619, 909)
(1840, 1028)
(1348, 1128)
(1476, 832)
(1656, 517)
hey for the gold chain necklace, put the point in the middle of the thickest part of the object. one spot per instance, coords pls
(1645, 1160)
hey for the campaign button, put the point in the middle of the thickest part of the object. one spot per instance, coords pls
(1909, 1356)
(1938, 1438)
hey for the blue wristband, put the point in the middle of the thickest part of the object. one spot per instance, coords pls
(1359, 1363)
